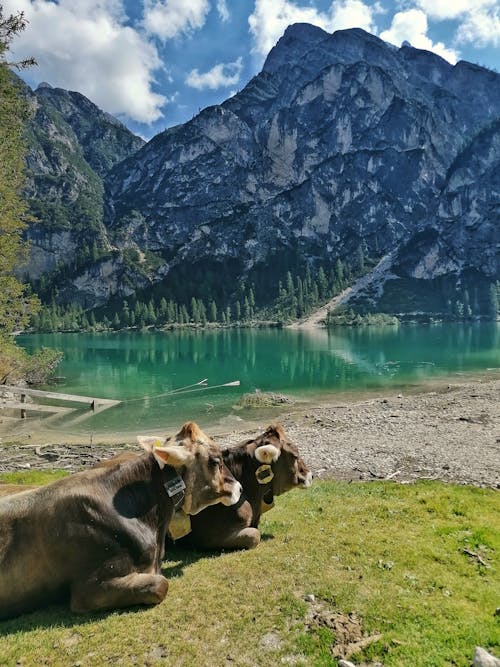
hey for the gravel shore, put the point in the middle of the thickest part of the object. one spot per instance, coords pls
(449, 432)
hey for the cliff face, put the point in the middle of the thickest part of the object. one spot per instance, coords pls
(342, 144)
(72, 145)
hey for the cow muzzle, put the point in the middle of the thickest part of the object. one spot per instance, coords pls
(234, 496)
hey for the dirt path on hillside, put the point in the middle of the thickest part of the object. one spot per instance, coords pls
(377, 274)
(449, 432)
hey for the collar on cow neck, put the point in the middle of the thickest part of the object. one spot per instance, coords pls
(174, 486)
(264, 476)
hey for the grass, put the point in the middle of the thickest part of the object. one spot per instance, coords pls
(392, 553)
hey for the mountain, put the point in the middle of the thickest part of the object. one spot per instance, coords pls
(342, 147)
(72, 145)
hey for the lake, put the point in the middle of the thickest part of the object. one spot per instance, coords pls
(142, 369)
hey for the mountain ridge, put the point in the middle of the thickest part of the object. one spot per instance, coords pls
(342, 144)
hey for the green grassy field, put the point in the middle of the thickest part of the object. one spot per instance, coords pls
(408, 574)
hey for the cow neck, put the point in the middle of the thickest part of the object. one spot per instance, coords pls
(244, 468)
(173, 486)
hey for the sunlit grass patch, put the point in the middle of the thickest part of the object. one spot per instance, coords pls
(390, 559)
(34, 477)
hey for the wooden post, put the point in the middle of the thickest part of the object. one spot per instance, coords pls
(23, 412)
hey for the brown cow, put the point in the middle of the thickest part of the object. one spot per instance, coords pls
(99, 535)
(267, 466)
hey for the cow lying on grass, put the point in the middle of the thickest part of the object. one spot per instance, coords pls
(99, 535)
(267, 466)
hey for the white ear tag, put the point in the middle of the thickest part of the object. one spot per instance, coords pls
(264, 474)
(174, 486)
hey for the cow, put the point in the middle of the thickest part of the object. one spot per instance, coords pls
(98, 536)
(266, 466)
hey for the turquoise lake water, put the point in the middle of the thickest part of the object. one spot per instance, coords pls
(141, 368)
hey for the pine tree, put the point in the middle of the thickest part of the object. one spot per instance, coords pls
(493, 302)
(195, 314)
(339, 270)
(16, 306)
(213, 311)
(322, 283)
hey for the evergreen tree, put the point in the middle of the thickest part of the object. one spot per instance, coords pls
(213, 311)
(16, 306)
(493, 301)
(163, 310)
(238, 310)
(322, 283)
(195, 314)
(339, 270)
(151, 313)
(202, 312)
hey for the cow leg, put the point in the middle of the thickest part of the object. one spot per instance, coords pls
(135, 588)
(247, 538)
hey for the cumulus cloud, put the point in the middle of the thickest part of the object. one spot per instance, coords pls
(270, 19)
(223, 10)
(481, 28)
(221, 75)
(85, 45)
(168, 18)
(451, 9)
(412, 26)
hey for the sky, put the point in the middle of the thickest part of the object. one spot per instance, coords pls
(156, 63)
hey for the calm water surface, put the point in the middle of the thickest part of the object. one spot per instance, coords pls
(141, 369)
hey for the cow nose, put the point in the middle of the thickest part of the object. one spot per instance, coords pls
(308, 479)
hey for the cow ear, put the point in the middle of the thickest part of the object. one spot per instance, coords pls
(267, 453)
(149, 442)
(173, 455)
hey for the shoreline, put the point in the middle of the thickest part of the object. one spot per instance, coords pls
(446, 429)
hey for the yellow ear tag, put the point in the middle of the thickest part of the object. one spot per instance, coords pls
(158, 443)
(264, 474)
(180, 525)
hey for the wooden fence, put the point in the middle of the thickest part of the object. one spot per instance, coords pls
(95, 405)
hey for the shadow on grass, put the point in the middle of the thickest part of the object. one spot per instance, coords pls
(57, 617)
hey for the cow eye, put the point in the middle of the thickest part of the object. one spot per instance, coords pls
(215, 462)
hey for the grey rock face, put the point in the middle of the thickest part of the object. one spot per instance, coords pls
(341, 141)
(72, 145)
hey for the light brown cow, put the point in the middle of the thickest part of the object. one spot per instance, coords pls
(99, 535)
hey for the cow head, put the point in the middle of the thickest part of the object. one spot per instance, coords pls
(198, 460)
(281, 464)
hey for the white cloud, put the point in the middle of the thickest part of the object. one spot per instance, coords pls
(270, 19)
(480, 28)
(451, 9)
(168, 18)
(412, 27)
(223, 10)
(84, 45)
(221, 75)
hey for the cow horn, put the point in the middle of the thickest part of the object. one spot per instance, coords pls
(267, 453)
(276, 431)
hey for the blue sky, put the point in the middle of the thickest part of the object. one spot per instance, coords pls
(156, 63)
